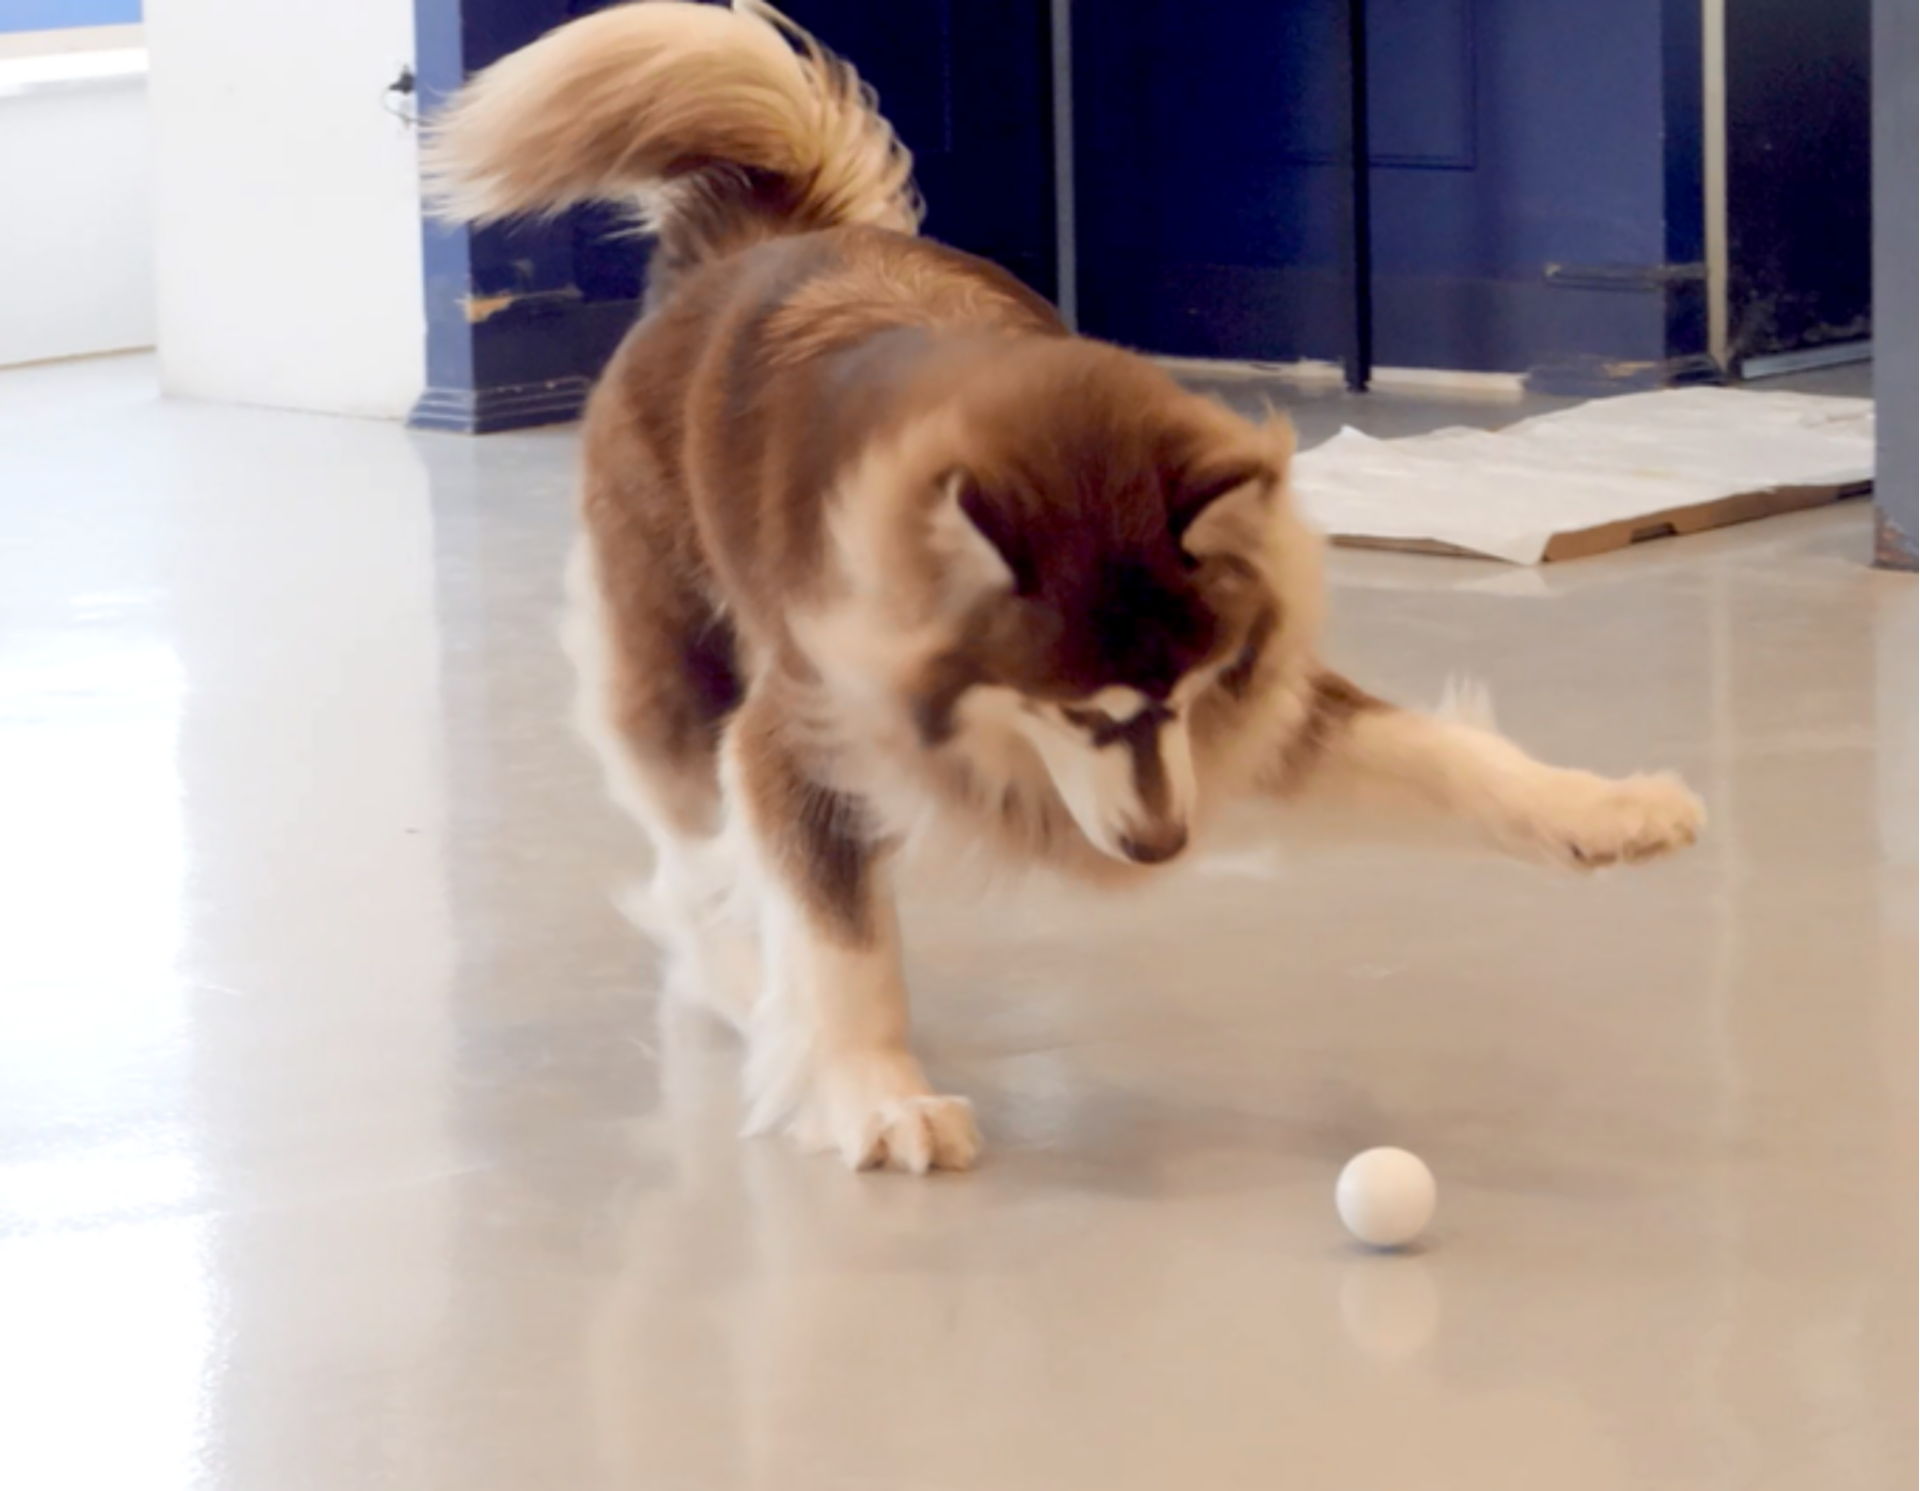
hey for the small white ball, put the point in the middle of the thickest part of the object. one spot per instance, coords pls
(1385, 1196)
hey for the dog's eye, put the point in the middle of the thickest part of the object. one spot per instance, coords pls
(1094, 720)
(1103, 729)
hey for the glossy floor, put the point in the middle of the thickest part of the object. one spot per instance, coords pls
(340, 1145)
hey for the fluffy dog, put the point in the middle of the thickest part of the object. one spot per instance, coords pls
(877, 557)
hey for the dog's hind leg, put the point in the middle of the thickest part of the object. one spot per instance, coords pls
(655, 683)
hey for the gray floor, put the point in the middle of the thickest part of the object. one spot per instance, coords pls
(340, 1144)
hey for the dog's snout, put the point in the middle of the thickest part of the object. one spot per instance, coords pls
(1156, 846)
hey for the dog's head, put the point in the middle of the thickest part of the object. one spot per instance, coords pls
(1104, 546)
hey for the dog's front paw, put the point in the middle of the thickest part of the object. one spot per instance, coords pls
(912, 1134)
(881, 1115)
(1590, 822)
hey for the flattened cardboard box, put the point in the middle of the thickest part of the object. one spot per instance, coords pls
(1592, 478)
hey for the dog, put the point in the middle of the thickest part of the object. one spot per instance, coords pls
(877, 558)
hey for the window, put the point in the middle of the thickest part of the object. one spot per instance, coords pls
(67, 15)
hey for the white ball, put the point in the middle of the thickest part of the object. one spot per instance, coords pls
(1385, 1196)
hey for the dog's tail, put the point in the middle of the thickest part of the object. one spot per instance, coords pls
(725, 127)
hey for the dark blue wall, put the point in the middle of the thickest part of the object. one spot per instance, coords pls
(966, 85)
(1537, 203)
(1799, 175)
(1536, 168)
(561, 294)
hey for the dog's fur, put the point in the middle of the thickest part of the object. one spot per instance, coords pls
(877, 556)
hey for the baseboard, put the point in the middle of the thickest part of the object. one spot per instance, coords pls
(1892, 548)
(1312, 373)
(489, 411)
(1595, 377)
(1805, 360)
(1614, 326)
(523, 361)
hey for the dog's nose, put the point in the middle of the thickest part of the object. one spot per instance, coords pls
(1157, 847)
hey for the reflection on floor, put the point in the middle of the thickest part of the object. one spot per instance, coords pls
(340, 1144)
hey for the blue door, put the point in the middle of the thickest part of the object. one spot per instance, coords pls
(1534, 172)
(965, 83)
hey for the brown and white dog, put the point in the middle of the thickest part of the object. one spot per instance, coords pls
(877, 557)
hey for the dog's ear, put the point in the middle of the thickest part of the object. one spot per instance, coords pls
(977, 548)
(1223, 503)
(1225, 510)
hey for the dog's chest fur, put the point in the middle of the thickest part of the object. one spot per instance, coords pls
(778, 438)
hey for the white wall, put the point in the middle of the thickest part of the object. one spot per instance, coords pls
(76, 214)
(287, 220)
